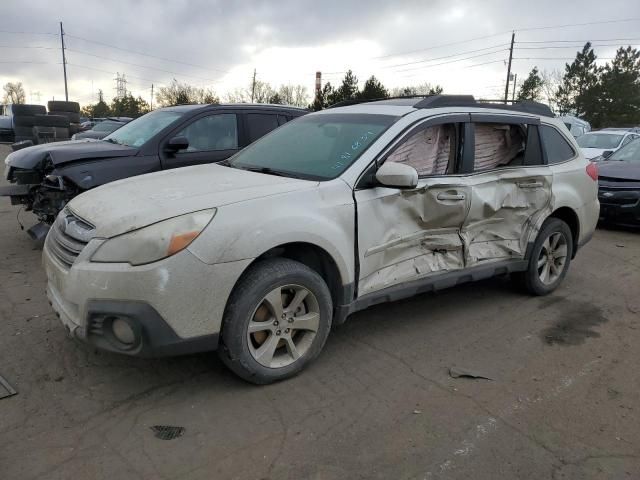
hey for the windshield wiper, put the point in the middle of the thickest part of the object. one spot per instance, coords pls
(270, 171)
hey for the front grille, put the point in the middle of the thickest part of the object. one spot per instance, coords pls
(68, 236)
(618, 196)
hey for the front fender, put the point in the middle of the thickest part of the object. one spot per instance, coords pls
(323, 217)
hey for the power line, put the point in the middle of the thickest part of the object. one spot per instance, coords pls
(582, 41)
(145, 54)
(445, 56)
(141, 66)
(29, 46)
(557, 58)
(28, 33)
(27, 61)
(442, 45)
(112, 72)
(453, 61)
(484, 37)
(569, 46)
(601, 22)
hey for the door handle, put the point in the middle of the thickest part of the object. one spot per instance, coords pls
(451, 196)
(530, 184)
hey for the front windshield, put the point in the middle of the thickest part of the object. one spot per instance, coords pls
(599, 140)
(137, 132)
(628, 153)
(318, 147)
(106, 126)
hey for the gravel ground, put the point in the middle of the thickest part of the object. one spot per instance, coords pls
(379, 403)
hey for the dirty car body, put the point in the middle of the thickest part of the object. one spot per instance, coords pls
(45, 177)
(332, 213)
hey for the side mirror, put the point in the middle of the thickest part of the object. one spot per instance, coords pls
(177, 143)
(607, 153)
(397, 175)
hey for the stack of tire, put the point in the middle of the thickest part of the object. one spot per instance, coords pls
(50, 128)
(24, 120)
(71, 110)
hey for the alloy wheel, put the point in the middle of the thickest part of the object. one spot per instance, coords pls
(552, 258)
(283, 326)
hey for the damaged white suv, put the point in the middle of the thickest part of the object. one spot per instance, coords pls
(331, 213)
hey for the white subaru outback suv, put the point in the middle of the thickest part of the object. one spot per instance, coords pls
(331, 213)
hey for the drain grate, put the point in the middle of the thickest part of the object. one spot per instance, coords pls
(167, 432)
(6, 390)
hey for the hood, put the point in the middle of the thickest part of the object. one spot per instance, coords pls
(135, 202)
(590, 153)
(91, 134)
(616, 171)
(63, 152)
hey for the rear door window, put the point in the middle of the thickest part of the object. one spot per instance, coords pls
(259, 124)
(557, 148)
(499, 145)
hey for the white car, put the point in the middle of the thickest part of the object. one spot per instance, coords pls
(576, 126)
(335, 211)
(601, 144)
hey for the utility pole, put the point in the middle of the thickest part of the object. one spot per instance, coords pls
(253, 86)
(64, 64)
(151, 105)
(513, 94)
(506, 87)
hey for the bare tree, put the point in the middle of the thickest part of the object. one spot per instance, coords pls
(14, 93)
(551, 80)
(182, 93)
(264, 93)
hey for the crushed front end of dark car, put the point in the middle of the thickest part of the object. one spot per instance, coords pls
(619, 194)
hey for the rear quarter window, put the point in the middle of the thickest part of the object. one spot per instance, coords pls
(557, 148)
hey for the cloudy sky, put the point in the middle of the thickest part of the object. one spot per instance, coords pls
(461, 45)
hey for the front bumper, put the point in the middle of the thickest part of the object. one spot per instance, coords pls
(620, 207)
(174, 306)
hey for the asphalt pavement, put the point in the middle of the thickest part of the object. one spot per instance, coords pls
(562, 401)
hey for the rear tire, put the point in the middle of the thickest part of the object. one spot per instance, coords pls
(276, 322)
(549, 260)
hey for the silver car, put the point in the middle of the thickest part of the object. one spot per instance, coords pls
(336, 211)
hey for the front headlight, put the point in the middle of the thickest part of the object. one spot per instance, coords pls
(155, 242)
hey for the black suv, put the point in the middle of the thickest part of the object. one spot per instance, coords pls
(45, 177)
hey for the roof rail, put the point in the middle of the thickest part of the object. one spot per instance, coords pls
(525, 106)
(440, 101)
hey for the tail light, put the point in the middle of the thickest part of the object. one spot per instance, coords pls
(592, 171)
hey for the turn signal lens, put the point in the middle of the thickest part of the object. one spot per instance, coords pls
(181, 241)
(592, 171)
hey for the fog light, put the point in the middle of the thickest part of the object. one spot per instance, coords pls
(123, 332)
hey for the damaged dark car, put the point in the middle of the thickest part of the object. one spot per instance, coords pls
(619, 186)
(43, 178)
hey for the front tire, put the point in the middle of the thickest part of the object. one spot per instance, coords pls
(549, 259)
(276, 322)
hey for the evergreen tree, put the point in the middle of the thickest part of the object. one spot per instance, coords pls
(323, 97)
(580, 89)
(620, 81)
(349, 88)
(373, 89)
(128, 106)
(531, 88)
